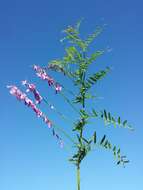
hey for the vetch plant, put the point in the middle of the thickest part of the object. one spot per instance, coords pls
(75, 65)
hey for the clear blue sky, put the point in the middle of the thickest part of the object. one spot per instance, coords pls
(30, 159)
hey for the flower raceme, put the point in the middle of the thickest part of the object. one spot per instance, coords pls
(23, 97)
(32, 88)
(28, 102)
(41, 73)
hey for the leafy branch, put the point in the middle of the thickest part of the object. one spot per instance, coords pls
(109, 119)
(93, 79)
(105, 143)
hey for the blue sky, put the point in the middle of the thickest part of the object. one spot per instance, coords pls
(30, 31)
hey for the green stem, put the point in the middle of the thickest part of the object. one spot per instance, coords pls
(65, 134)
(78, 177)
(68, 101)
(59, 113)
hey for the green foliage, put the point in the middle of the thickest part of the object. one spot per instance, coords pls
(72, 55)
(94, 113)
(75, 64)
(72, 35)
(57, 65)
(92, 36)
(94, 56)
(79, 125)
(80, 155)
(94, 137)
(105, 143)
(93, 79)
(110, 120)
(102, 140)
(84, 147)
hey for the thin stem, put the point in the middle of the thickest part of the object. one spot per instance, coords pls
(59, 113)
(81, 130)
(68, 101)
(64, 133)
(69, 91)
(78, 177)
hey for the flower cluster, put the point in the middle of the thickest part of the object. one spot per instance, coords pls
(41, 73)
(23, 97)
(32, 88)
(15, 91)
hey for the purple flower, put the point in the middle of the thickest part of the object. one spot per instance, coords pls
(47, 121)
(41, 73)
(32, 88)
(23, 97)
(16, 92)
(28, 102)
(58, 88)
